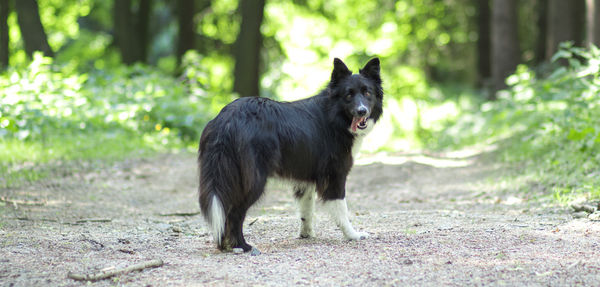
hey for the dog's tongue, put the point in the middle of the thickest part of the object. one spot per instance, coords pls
(355, 122)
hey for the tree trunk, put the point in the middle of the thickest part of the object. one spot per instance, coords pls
(579, 22)
(187, 35)
(247, 49)
(566, 22)
(589, 17)
(124, 31)
(505, 42)
(142, 28)
(542, 29)
(32, 31)
(4, 39)
(593, 22)
(483, 41)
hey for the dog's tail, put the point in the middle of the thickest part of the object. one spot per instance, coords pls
(211, 203)
(218, 188)
(216, 219)
(212, 209)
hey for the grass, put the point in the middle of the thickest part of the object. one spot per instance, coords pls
(28, 161)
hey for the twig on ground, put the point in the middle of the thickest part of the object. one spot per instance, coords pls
(98, 245)
(583, 207)
(180, 214)
(126, 251)
(84, 220)
(17, 202)
(38, 219)
(253, 221)
(109, 272)
(574, 264)
(80, 221)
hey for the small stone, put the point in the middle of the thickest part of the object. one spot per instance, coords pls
(577, 207)
(589, 208)
(594, 216)
(580, 214)
(176, 229)
(254, 252)
(163, 226)
(238, 250)
(407, 261)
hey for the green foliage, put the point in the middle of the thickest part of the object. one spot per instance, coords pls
(49, 113)
(413, 38)
(550, 123)
(45, 98)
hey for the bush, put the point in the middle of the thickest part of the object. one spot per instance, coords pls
(551, 123)
(50, 112)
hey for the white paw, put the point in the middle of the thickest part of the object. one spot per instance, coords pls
(307, 233)
(357, 236)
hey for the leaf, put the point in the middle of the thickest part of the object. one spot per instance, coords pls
(575, 135)
(561, 54)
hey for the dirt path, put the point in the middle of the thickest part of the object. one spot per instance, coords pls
(433, 221)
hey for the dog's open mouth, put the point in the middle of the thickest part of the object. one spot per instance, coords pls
(360, 123)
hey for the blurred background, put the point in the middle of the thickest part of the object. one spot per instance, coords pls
(91, 79)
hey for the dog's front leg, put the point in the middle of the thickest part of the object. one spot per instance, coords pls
(335, 203)
(338, 210)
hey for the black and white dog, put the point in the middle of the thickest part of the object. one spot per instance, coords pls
(310, 142)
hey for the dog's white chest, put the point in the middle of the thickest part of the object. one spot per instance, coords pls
(360, 136)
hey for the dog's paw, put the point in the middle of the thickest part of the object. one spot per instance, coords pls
(307, 234)
(357, 236)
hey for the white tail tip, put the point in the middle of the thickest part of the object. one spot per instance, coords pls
(216, 219)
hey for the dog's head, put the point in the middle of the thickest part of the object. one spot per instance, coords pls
(359, 95)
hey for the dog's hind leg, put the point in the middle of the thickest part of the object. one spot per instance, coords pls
(235, 219)
(306, 202)
(234, 233)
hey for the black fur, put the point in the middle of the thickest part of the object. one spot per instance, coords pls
(308, 140)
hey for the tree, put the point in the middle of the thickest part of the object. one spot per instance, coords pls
(566, 22)
(32, 31)
(542, 31)
(593, 22)
(483, 41)
(597, 22)
(4, 38)
(187, 35)
(247, 49)
(142, 27)
(131, 30)
(505, 42)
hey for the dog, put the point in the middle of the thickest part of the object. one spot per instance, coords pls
(311, 142)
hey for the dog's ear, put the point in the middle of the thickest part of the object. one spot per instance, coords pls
(371, 70)
(340, 71)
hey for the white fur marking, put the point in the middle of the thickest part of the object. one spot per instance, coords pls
(217, 219)
(360, 136)
(339, 213)
(306, 203)
(307, 209)
(276, 182)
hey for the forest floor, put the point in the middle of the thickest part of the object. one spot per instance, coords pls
(444, 220)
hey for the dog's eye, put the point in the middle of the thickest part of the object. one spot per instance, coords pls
(349, 97)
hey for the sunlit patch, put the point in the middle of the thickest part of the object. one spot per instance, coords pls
(439, 162)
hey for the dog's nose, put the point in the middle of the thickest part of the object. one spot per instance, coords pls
(361, 111)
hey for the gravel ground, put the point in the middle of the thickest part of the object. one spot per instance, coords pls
(433, 221)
